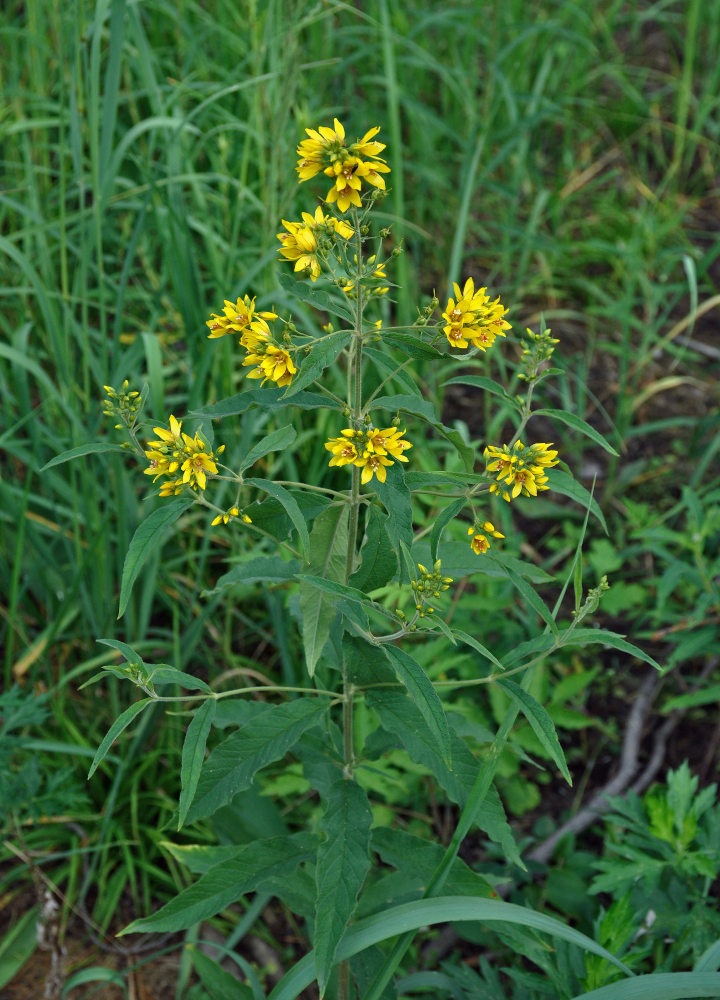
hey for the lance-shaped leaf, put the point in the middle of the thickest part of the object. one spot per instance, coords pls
(328, 545)
(532, 598)
(321, 355)
(412, 346)
(417, 405)
(486, 384)
(422, 857)
(378, 561)
(441, 521)
(265, 399)
(409, 672)
(445, 909)
(577, 424)
(395, 498)
(275, 441)
(121, 723)
(541, 723)
(220, 985)
(588, 636)
(402, 720)
(343, 862)
(314, 296)
(262, 569)
(339, 590)
(91, 448)
(288, 502)
(227, 882)
(193, 754)
(561, 482)
(148, 537)
(266, 737)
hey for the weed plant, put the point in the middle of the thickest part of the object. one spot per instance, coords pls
(569, 155)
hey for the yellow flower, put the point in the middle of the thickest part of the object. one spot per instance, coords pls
(238, 317)
(371, 450)
(374, 272)
(343, 450)
(176, 451)
(274, 364)
(521, 470)
(299, 243)
(326, 150)
(480, 543)
(372, 465)
(387, 442)
(472, 319)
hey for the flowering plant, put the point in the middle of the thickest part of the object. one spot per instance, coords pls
(349, 554)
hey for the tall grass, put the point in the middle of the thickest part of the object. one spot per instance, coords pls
(561, 153)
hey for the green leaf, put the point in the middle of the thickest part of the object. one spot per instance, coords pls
(378, 562)
(321, 354)
(470, 640)
(161, 673)
(416, 405)
(95, 974)
(314, 296)
(275, 441)
(147, 538)
(481, 382)
(443, 519)
(193, 754)
(339, 590)
(577, 424)
(421, 858)
(395, 498)
(122, 647)
(266, 737)
(564, 484)
(541, 723)
(590, 636)
(227, 882)
(328, 545)
(265, 399)
(92, 448)
(411, 345)
(219, 983)
(343, 861)
(532, 598)
(263, 569)
(446, 909)
(413, 677)
(402, 720)
(290, 506)
(121, 723)
(17, 945)
(660, 986)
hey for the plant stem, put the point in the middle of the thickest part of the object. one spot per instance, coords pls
(355, 405)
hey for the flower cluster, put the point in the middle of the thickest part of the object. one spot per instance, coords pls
(537, 348)
(371, 450)
(479, 542)
(300, 242)
(122, 405)
(429, 585)
(520, 469)
(229, 514)
(273, 362)
(185, 461)
(347, 166)
(374, 274)
(240, 317)
(472, 319)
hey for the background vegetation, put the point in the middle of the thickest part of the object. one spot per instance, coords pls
(563, 153)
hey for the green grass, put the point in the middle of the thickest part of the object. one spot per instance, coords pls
(562, 153)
